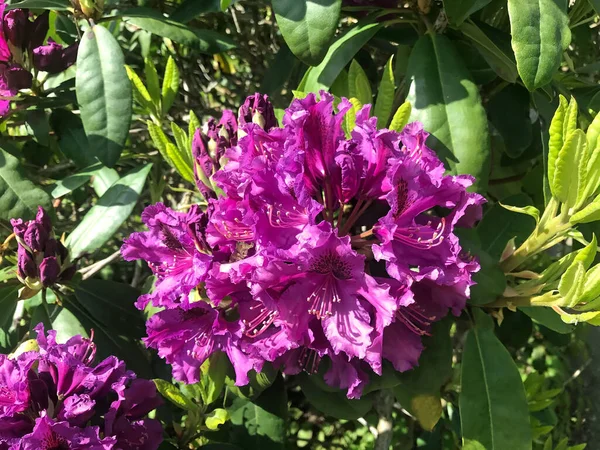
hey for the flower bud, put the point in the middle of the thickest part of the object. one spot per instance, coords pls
(26, 266)
(16, 27)
(54, 58)
(203, 163)
(15, 78)
(49, 271)
(39, 30)
(258, 109)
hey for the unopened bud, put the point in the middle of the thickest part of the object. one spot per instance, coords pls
(16, 27)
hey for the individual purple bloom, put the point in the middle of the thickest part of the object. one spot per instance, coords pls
(54, 58)
(257, 109)
(175, 252)
(16, 26)
(187, 336)
(50, 435)
(14, 392)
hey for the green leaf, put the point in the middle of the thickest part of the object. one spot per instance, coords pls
(205, 41)
(307, 26)
(493, 408)
(591, 287)
(174, 395)
(333, 402)
(19, 197)
(190, 9)
(339, 54)
(72, 141)
(72, 182)
(54, 5)
(540, 33)
(9, 296)
(152, 81)
(514, 127)
(419, 390)
(571, 284)
(106, 216)
(103, 180)
(501, 62)
(447, 102)
(528, 210)
(216, 418)
(401, 117)
(103, 93)
(358, 84)
(385, 95)
(184, 147)
(548, 318)
(170, 86)
(173, 155)
(140, 93)
(458, 10)
(213, 374)
(350, 117)
(260, 424)
(112, 305)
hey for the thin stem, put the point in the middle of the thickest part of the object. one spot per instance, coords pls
(89, 271)
(385, 426)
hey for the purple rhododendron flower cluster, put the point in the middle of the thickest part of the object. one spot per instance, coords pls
(22, 48)
(55, 398)
(317, 250)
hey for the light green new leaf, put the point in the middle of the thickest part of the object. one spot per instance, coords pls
(107, 215)
(567, 173)
(529, 210)
(140, 93)
(172, 154)
(307, 26)
(358, 84)
(152, 80)
(447, 102)
(183, 144)
(174, 395)
(591, 286)
(571, 283)
(339, 54)
(401, 117)
(493, 407)
(385, 95)
(557, 139)
(216, 418)
(590, 213)
(458, 10)
(103, 93)
(19, 197)
(350, 117)
(170, 86)
(540, 33)
(587, 254)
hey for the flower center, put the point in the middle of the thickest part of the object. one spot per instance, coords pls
(330, 263)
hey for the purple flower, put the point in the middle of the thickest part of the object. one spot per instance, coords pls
(315, 246)
(49, 398)
(54, 58)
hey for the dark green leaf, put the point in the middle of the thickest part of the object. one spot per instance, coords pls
(103, 93)
(447, 102)
(9, 295)
(72, 182)
(189, 9)
(540, 33)
(509, 112)
(308, 26)
(72, 140)
(493, 408)
(458, 10)
(333, 402)
(279, 71)
(260, 424)
(19, 197)
(205, 41)
(548, 318)
(219, 445)
(55, 5)
(112, 304)
(339, 54)
(419, 390)
(105, 218)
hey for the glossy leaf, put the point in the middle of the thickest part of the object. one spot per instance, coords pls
(540, 33)
(548, 318)
(419, 390)
(447, 102)
(401, 117)
(205, 41)
(307, 26)
(528, 210)
(216, 418)
(498, 59)
(103, 180)
(19, 197)
(567, 177)
(358, 84)
(493, 408)
(72, 182)
(333, 402)
(72, 141)
(106, 216)
(385, 95)
(170, 86)
(173, 394)
(339, 54)
(103, 93)
(590, 213)
(458, 10)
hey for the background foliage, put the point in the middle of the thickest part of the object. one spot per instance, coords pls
(483, 76)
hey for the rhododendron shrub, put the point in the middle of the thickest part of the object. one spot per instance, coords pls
(318, 247)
